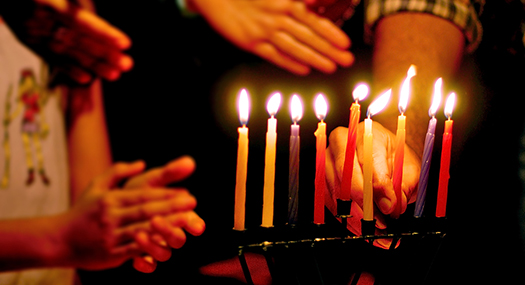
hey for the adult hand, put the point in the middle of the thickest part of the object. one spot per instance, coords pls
(383, 153)
(99, 231)
(284, 32)
(168, 232)
(69, 37)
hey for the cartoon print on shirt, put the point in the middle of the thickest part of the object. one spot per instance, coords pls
(30, 102)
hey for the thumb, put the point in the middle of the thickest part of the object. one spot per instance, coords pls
(116, 173)
(384, 195)
(175, 171)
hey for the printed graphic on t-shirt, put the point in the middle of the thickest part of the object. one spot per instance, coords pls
(29, 104)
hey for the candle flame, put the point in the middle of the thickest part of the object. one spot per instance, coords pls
(320, 107)
(405, 89)
(449, 105)
(379, 103)
(436, 99)
(244, 107)
(296, 109)
(360, 92)
(274, 103)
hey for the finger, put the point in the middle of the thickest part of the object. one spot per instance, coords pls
(103, 51)
(189, 221)
(147, 210)
(290, 46)
(117, 173)
(75, 73)
(175, 171)
(174, 236)
(94, 65)
(305, 35)
(139, 196)
(157, 251)
(321, 26)
(333, 182)
(384, 195)
(337, 144)
(91, 24)
(270, 53)
(144, 264)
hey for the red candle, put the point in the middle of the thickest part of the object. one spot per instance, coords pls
(444, 174)
(399, 155)
(320, 180)
(359, 93)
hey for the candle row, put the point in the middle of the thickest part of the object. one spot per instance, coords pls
(397, 171)
(359, 94)
(269, 169)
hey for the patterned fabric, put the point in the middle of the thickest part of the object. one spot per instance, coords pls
(33, 157)
(463, 13)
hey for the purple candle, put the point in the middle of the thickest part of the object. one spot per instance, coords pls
(293, 174)
(427, 151)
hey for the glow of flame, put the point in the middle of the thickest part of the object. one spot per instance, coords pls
(320, 107)
(449, 105)
(244, 107)
(296, 109)
(274, 103)
(379, 103)
(360, 92)
(405, 89)
(436, 99)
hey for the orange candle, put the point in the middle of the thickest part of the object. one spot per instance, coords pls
(269, 162)
(399, 154)
(242, 163)
(320, 177)
(444, 173)
(368, 163)
(359, 94)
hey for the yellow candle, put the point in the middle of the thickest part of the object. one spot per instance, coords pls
(368, 159)
(269, 166)
(242, 164)
(320, 169)
(368, 203)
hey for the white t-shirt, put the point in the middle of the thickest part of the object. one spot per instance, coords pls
(34, 178)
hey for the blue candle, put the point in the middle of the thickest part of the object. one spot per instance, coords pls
(427, 151)
(293, 174)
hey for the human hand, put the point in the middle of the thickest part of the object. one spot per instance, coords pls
(284, 32)
(383, 153)
(70, 38)
(99, 231)
(166, 231)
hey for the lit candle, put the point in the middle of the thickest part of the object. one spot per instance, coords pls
(399, 154)
(242, 163)
(320, 181)
(427, 151)
(293, 174)
(444, 175)
(359, 94)
(368, 161)
(269, 162)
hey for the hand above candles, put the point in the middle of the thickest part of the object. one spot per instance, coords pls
(284, 32)
(383, 152)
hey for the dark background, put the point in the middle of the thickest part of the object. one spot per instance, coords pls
(180, 99)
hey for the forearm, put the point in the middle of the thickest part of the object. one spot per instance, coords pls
(88, 142)
(30, 243)
(434, 45)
